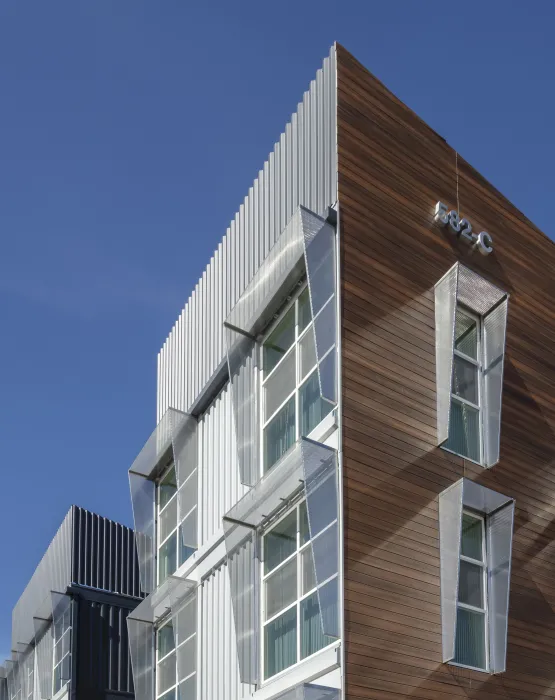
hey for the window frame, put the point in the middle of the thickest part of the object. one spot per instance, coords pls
(477, 362)
(484, 564)
(66, 631)
(300, 548)
(300, 381)
(163, 623)
(179, 520)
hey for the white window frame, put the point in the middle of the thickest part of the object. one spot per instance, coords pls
(299, 381)
(67, 631)
(174, 651)
(297, 554)
(465, 606)
(479, 364)
(179, 520)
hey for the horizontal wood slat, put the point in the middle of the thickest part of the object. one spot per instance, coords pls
(392, 169)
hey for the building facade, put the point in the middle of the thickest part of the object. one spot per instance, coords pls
(349, 490)
(69, 632)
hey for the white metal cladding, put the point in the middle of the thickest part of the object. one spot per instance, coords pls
(301, 170)
(219, 668)
(220, 485)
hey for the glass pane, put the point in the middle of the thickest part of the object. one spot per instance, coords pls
(471, 584)
(168, 696)
(66, 640)
(472, 536)
(188, 535)
(279, 434)
(58, 652)
(307, 568)
(168, 519)
(165, 673)
(280, 643)
(167, 488)
(312, 637)
(187, 621)
(187, 654)
(466, 335)
(188, 689)
(313, 408)
(281, 588)
(465, 379)
(279, 385)
(305, 313)
(307, 353)
(167, 558)
(464, 431)
(279, 341)
(303, 525)
(166, 640)
(470, 643)
(280, 542)
(323, 504)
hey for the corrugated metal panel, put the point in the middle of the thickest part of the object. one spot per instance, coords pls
(52, 574)
(219, 483)
(105, 555)
(219, 667)
(87, 550)
(103, 664)
(301, 170)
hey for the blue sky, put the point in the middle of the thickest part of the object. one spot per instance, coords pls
(130, 131)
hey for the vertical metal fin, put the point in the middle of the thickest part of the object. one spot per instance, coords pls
(495, 327)
(450, 523)
(445, 305)
(141, 649)
(500, 536)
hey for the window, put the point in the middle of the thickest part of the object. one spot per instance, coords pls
(291, 403)
(471, 641)
(475, 541)
(62, 649)
(176, 649)
(171, 522)
(466, 390)
(471, 325)
(292, 627)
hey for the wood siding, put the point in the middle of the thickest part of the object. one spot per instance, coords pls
(393, 168)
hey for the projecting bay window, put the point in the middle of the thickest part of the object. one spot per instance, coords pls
(471, 319)
(292, 626)
(292, 403)
(475, 533)
(176, 649)
(175, 517)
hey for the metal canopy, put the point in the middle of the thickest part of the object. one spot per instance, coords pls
(310, 691)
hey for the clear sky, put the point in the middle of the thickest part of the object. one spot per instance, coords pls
(130, 131)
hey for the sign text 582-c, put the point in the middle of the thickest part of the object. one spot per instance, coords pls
(463, 229)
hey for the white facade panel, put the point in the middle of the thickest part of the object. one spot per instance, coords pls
(219, 483)
(219, 667)
(301, 170)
